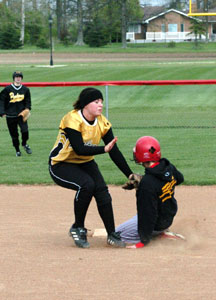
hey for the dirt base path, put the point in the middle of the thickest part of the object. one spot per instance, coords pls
(39, 260)
(37, 58)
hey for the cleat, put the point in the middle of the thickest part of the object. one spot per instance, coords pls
(172, 235)
(79, 236)
(114, 239)
(27, 149)
(18, 153)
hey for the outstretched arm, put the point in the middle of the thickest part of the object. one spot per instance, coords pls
(116, 155)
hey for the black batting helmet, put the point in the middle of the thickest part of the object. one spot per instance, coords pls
(17, 74)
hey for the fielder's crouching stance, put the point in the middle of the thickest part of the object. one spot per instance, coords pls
(156, 204)
(72, 163)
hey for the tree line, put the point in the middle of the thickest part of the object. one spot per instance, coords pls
(79, 22)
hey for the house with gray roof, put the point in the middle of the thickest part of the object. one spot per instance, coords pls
(160, 24)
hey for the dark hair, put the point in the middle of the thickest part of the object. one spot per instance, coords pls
(86, 96)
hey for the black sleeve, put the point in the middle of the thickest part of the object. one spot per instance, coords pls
(178, 175)
(79, 147)
(28, 99)
(2, 102)
(116, 155)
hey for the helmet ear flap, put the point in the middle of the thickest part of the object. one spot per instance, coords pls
(147, 148)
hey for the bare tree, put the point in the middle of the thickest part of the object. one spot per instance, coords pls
(64, 21)
(80, 41)
(22, 36)
(124, 23)
(34, 4)
(59, 17)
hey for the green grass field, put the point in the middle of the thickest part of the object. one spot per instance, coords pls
(117, 48)
(181, 117)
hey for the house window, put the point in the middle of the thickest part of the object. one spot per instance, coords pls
(134, 28)
(163, 28)
(214, 28)
(172, 27)
(182, 27)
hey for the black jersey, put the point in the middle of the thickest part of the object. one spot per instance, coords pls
(14, 99)
(156, 204)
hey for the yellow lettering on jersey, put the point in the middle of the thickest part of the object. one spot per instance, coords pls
(168, 190)
(16, 98)
(90, 143)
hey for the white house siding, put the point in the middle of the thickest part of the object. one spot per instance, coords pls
(162, 37)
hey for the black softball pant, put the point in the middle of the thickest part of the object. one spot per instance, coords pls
(13, 124)
(88, 181)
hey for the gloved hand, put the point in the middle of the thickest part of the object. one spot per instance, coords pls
(25, 114)
(133, 183)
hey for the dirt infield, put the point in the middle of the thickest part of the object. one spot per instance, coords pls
(39, 260)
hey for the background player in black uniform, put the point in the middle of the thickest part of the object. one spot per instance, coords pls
(14, 99)
(72, 163)
(156, 204)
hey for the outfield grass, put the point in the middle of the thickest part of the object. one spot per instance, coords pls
(181, 117)
(184, 47)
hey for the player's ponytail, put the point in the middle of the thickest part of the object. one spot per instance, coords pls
(76, 105)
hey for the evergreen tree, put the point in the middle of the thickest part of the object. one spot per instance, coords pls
(96, 34)
(197, 28)
(34, 27)
(10, 37)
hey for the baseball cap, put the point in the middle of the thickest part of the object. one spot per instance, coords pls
(17, 74)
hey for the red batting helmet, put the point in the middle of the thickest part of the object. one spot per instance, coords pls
(147, 148)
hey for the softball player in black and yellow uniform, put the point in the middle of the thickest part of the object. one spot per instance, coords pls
(14, 99)
(72, 163)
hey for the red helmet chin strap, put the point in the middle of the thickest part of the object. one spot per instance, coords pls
(155, 164)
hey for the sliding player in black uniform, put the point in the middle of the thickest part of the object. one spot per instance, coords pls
(156, 203)
(72, 163)
(14, 99)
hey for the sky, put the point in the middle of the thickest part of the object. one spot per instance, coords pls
(153, 2)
